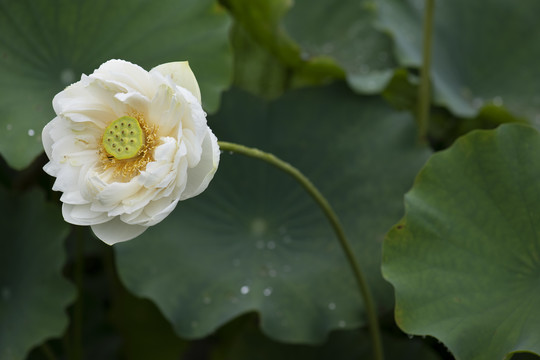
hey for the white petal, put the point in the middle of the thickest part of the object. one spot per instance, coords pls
(199, 176)
(86, 101)
(129, 76)
(180, 73)
(46, 136)
(116, 192)
(157, 170)
(73, 197)
(165, 111)
(155, 211)
(82, 215)
(158, 210)
(134, 100)
(115, 231)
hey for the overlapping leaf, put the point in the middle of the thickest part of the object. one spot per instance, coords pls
(344, 31)
(465, 260)
(46, 45)
(327, 40)
(254, 241)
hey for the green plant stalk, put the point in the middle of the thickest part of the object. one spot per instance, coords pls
(78, 308)
(424, 91)
(373, 321)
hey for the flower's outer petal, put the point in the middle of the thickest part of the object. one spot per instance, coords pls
(86, 101)
(82, 215)
(194, 128)
(199, 176)
(134, 100)
(159, 209)
(115, 231)
(131, 77)
(181, 74)
(154, 212)
(166, 111)
(46, 137)
(73, 197)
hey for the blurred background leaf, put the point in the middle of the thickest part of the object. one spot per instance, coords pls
(465, 259)
(33, 293)
(484, 52)
(46, 45)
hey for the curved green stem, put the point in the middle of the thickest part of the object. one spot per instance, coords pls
(336, 225)
(78, 307)
(424, 92)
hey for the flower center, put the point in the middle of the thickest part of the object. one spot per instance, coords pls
(123, 138)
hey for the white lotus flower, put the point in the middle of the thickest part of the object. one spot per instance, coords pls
(127, 145)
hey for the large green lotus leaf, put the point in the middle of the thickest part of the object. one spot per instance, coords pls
(33, 293)
(465, 259)
(46, 45)
(254, 241)
(345, 32)
(483, 51)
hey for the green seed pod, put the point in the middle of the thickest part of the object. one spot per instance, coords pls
(123, 138)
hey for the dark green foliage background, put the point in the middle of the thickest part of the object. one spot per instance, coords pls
(250, 269)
